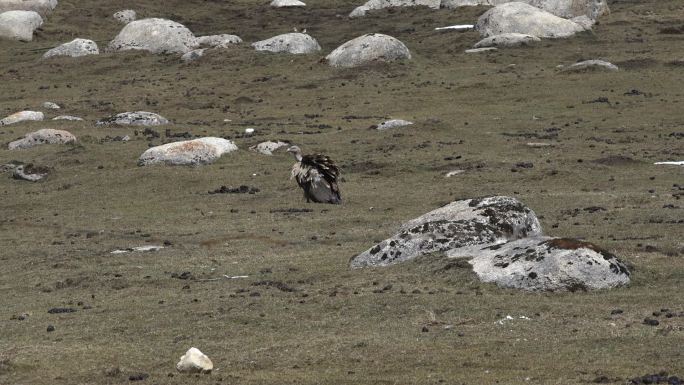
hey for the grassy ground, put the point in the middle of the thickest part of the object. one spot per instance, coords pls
(301, 317)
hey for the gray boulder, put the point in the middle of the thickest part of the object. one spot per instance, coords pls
(74, 48)
(379, 4)
(44, 136)
(42, 7)
(561, 8)
(296, 43)
(590, 65)
(459, 224)
(287, 3)
(517, 17)
(19, 25)
(507, 40)
(189, 153)
(218, 41)
(546, 264)
(125, 16)
(154, 35)
(51, 106)
(22, 116)
(137, 118)
(368, 49)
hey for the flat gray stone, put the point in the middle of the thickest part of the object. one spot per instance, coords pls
(269, 147)
(67, 117)
(295, 43)
(591, 65)
(188, 153)
(137, 118)
(380, 4)
(193, 55)
(40, 137)
(287, 3)
(507, 40)
(393, 123)
(74, 48)
(22, 116)
(219, 41)
(546, 264)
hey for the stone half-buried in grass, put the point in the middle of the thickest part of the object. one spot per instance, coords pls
(545, 264)
(294, 43)
(40, 137)
(189, 152)
(484, 221)
(137, 118)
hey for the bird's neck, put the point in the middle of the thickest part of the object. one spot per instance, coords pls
(298, 156)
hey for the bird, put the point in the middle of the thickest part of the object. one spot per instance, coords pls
(317, 175)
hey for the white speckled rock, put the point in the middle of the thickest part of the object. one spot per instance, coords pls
(461, 223)
(546, 264)
(67, 117)
(379, 4)
(125, 16)
(44, 136)
(154, 35)
(137, 118)
(194, 361)
(507, 40)
(295, 43)
(368, 49)
(393, 123)
(42, 7)
(74, 48)
(585, 21)
(19, 25)
(267, 148)
(219, 41)
(189, 152)
(561, 8)
(51, 106)
(30, 173)
(22, 116)
(517, 17)
(193, 55)
(287, 3)
(590, 65)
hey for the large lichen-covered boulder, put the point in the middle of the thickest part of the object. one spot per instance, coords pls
(154, 35)
(462, 223)
(136, 118)
(562, 8)
(42, 7)
(74, 48)
(517, 17)
(546, 264)
(368, 49)
(19, 25)
(189, 152)
(379, 4)
(44, 136)
(296, 43)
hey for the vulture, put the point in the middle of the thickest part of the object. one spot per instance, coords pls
(317, 175)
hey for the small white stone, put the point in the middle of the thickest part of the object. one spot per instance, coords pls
(194, 361)
(454, 173)
(67, 117)
(679, 163)
(268, 147)
(125, 16)
(249, 131)
(287, 3)
(51, 106)
(393, 123)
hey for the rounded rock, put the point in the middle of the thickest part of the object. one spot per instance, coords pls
(295, 43)
(368, 49)
(154, 35)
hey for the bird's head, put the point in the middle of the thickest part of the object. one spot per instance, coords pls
(296, 151)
